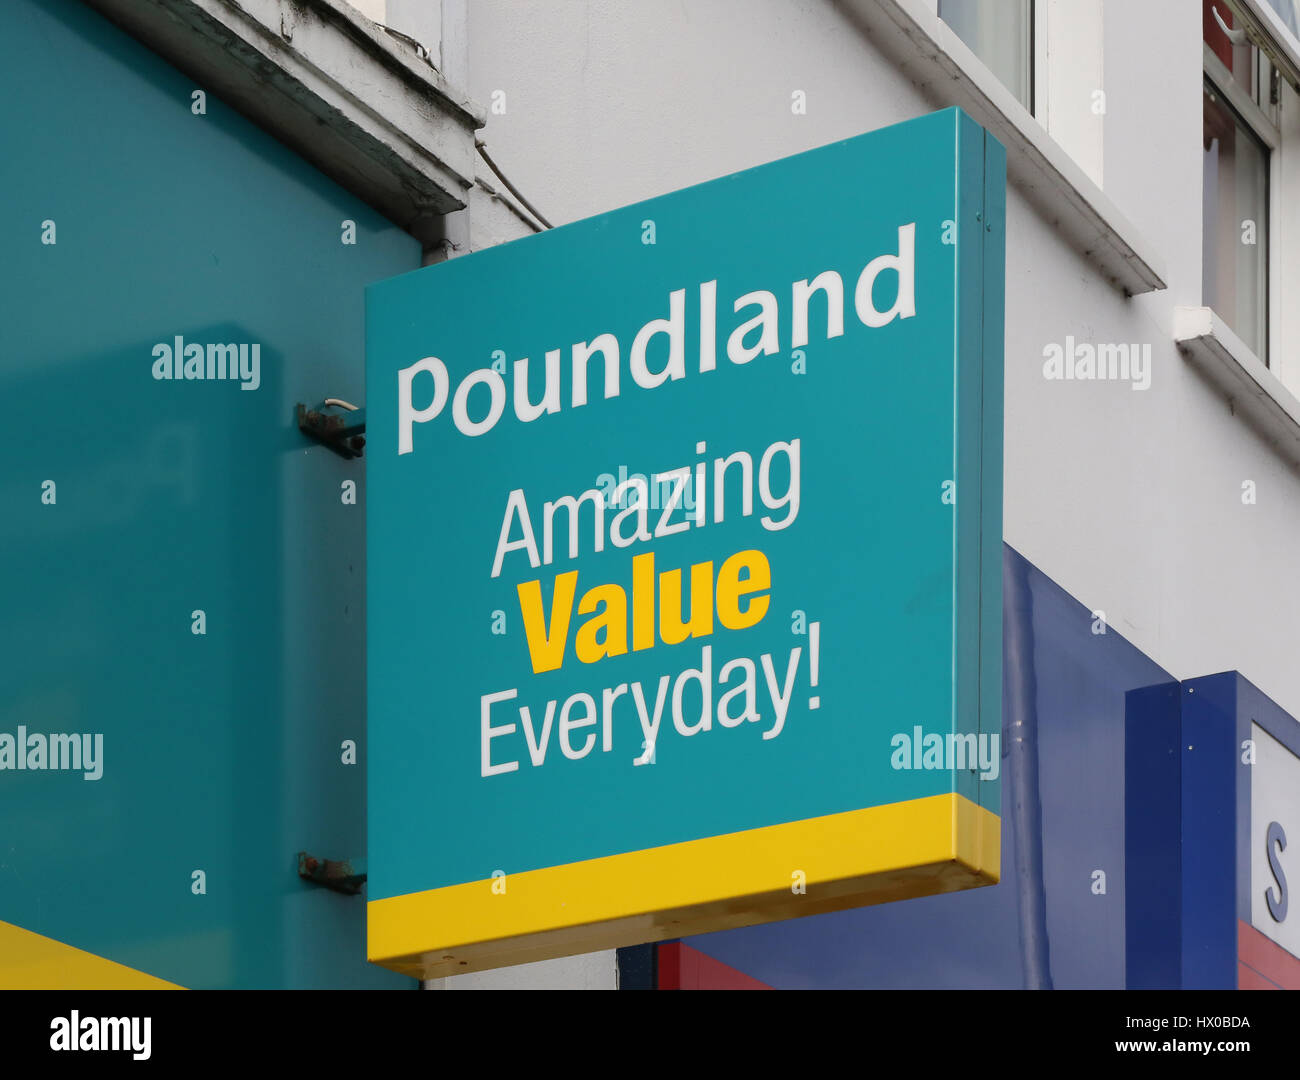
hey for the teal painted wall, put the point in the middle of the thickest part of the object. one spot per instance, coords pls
(221, 752)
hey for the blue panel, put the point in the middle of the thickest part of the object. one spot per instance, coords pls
(1256, 708)
(1209, 832)
(221, 750)
(1065, 694)
(638, 967)
(1218, 712)
(1153, 837)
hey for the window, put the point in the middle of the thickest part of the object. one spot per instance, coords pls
(1000, 33)
(1239, 133)
(1286, 11)
(1234, 276)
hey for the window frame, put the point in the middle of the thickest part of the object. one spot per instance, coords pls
(1034, 59)
(1038, 60)
(1254, 119)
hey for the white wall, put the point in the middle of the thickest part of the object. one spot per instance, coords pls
(418, 19)
(1131, 500)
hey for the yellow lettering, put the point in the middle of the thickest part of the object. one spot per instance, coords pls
(546, 645)
(587, 645)
(643, 601)
(671, 628)
(731, 589)
(740, 594)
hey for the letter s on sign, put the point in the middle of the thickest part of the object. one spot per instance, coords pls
(1276, 842)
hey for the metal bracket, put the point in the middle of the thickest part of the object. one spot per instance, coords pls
(344, 433)
(343, 876)
(1236, 36)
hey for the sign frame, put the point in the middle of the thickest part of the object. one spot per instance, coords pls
(725, 878)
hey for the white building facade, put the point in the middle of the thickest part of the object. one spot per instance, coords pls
(1152, 360)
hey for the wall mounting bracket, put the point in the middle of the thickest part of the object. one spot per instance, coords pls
(345, 876)
(344, 432)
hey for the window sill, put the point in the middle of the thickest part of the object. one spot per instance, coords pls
(356, 102)
(1250, 387)
(947, 72)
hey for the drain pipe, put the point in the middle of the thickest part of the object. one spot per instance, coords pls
(1020, 692)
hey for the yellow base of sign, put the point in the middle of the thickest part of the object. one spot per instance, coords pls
(31, 961)
(894, 852)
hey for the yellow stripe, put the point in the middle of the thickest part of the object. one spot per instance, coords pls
(892, 852)
(33, 962)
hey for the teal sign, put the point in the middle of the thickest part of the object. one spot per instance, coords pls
(684, 542)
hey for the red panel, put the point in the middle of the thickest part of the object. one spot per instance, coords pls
(1215, 38)
(669, 967)
(1250, 979)
(684, 968)
(1266, 958)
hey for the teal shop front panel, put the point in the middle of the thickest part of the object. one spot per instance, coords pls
(888, 428)
(131, 503)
